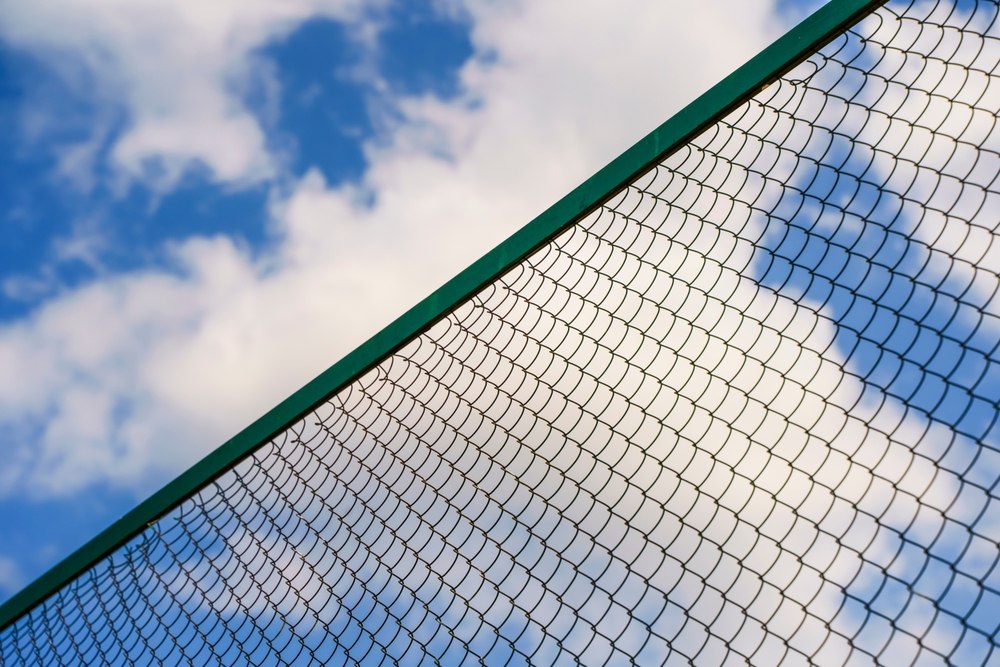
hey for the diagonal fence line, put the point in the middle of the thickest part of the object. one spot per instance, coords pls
(744, 410)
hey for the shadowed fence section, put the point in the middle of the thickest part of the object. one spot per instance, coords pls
(744, 408)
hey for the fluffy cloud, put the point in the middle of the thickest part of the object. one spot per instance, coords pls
(178, 71)
(130, 378)
(133, 374)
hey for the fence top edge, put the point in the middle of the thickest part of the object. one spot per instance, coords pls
(782, 55)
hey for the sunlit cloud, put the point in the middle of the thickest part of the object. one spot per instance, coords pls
(129, 378)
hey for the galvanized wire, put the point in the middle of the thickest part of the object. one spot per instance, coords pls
(745, 412)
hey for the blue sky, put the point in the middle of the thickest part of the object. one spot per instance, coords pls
(193, 201)
(60, 237)
(211, 206)
(319, 121)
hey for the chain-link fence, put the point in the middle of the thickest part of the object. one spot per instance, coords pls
(745, 411)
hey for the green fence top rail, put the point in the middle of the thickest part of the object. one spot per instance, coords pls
(796, 45)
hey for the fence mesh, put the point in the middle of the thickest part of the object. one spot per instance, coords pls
(745, 411)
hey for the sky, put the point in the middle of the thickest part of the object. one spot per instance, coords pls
(768, 368)
(204, 205)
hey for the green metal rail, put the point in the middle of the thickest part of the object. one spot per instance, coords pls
(772, 62)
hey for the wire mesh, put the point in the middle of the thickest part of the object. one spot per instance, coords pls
(745, 412)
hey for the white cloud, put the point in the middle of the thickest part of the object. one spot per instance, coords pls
(129, 379)
(134, 374)
(178, 70)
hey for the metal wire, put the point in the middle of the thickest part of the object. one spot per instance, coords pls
(745, 412)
